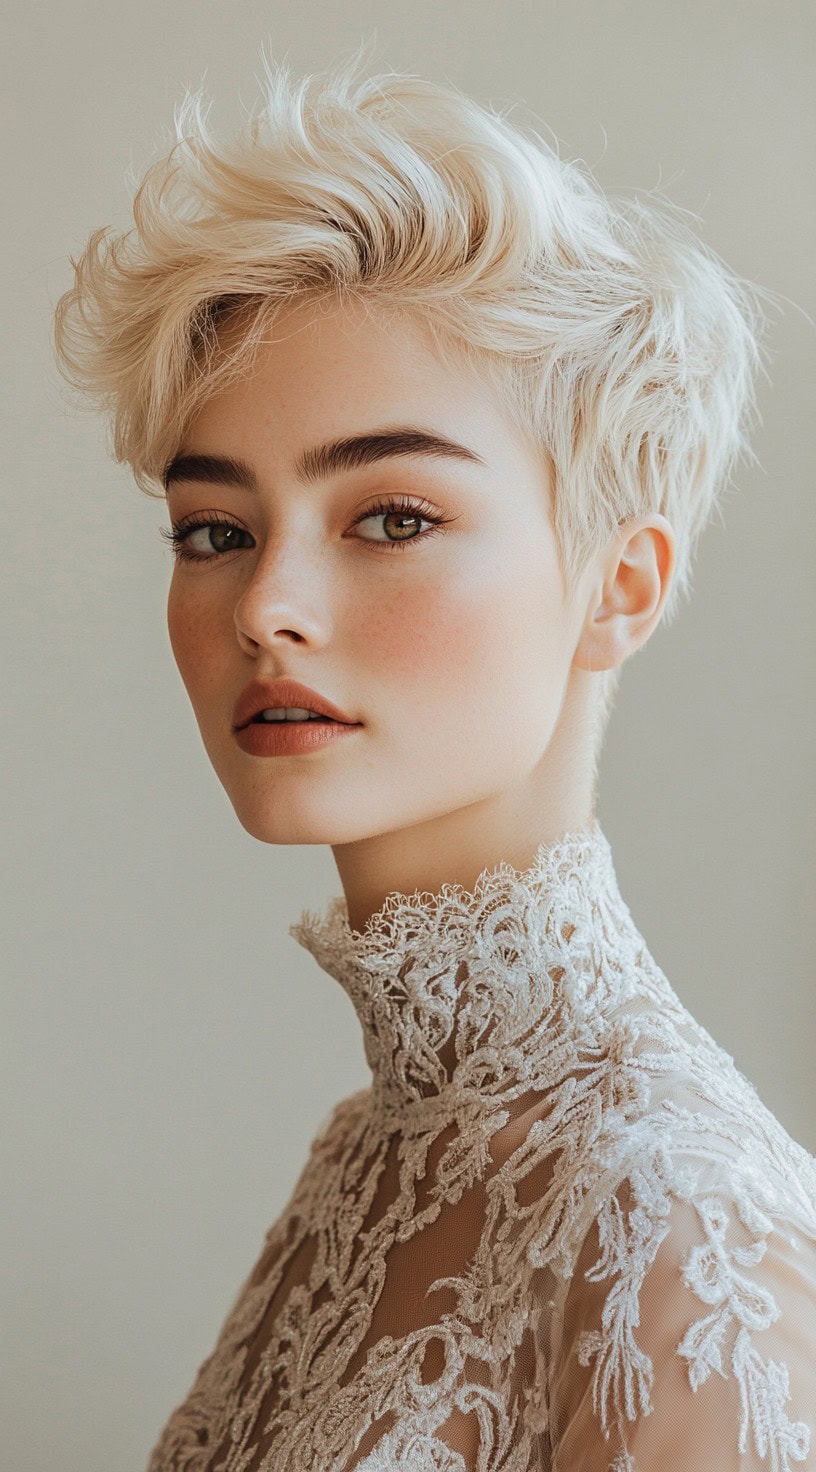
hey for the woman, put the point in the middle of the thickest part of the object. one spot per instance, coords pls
(559, 1230)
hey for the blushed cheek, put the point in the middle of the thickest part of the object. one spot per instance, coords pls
(194, 644)
(180, 629)
(414, 637)
(459, 637)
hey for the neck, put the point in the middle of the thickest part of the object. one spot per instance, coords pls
(455, 847)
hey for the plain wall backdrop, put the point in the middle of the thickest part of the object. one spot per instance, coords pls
(169, 1051)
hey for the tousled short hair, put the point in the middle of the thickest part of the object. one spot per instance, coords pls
(622, 346)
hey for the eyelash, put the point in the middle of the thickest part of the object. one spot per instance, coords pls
(403, 506)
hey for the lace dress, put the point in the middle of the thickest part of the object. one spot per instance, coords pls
(559, 1231)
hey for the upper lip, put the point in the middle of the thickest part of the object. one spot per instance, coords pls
(266, 694)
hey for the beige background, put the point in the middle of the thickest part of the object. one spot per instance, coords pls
(169, 1050)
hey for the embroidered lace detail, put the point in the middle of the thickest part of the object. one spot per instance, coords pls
(714, 1271)
(559, 1230)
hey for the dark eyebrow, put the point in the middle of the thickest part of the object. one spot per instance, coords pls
(323, 460)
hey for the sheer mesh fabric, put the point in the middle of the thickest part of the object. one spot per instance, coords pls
(559, 1231)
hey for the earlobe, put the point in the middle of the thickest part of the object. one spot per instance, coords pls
(603, 643)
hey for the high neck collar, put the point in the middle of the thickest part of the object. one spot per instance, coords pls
(464, 991)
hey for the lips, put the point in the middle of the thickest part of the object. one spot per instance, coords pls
(264, 694)
(292, 738)
(261, 720)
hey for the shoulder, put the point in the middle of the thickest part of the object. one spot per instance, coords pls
(687, 1329)
(343, 1119)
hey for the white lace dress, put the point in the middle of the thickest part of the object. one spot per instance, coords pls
(559, 1231)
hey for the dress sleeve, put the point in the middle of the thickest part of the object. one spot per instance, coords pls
(687, 1340)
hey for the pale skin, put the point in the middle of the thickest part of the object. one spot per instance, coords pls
(472, 670)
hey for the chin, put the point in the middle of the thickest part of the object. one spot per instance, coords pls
(271, 820)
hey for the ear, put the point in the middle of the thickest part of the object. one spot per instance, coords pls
(627, 600)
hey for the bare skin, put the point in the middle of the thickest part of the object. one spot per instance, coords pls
(472, 670)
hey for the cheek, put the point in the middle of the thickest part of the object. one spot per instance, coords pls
(180, 626)
(416, 636)
(467, 635)
(193, 640)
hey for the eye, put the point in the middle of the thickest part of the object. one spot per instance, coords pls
(179, 536)
(401, 510)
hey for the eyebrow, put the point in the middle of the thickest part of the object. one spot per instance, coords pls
(323, 460)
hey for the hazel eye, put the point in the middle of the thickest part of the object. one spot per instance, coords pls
(180, 536)
(404, 511)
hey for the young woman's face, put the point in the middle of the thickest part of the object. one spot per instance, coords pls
(451, 646)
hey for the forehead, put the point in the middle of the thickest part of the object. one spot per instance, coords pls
(326, 369)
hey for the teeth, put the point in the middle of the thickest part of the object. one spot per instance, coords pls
(288, 713)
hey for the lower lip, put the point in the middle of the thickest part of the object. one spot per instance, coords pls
(291, 738)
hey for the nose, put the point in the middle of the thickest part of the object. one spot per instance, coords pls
(279, 603)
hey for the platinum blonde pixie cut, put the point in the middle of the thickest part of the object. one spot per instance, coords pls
(621, 346)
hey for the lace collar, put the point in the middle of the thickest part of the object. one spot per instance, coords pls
(468, 992)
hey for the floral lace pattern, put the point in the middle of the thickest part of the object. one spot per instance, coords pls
(559, 1230)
